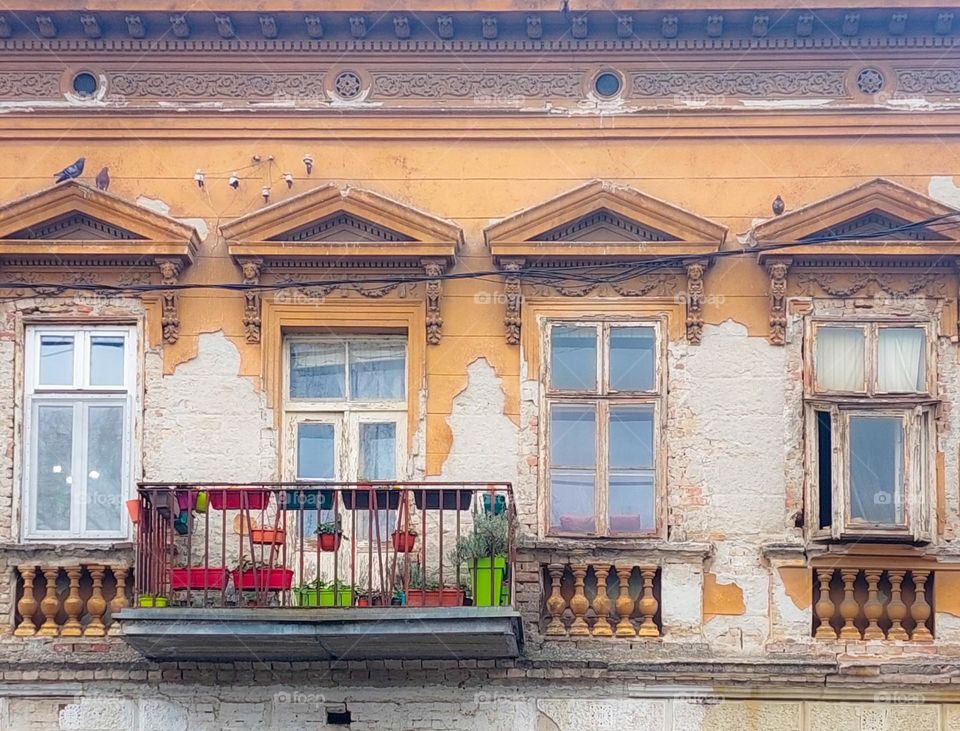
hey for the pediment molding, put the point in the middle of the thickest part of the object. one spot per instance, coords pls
(342, 236)
(854, 218)
(600, 220)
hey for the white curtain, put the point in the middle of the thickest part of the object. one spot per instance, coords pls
(839, 356)
(901, 359)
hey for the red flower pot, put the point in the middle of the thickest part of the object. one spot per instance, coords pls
(263, 579)
(329, 541)
(227, 499)
(198, 579)
(434, 598)
(403, 541)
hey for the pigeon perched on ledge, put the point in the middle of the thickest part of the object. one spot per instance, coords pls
(71, 171)
(103, 179)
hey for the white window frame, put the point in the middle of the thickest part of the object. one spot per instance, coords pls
(917, 411)
(603, 398)
(346, 414)
(83, 395)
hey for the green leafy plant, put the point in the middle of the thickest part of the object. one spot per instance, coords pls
(331, 528)
(488, 538)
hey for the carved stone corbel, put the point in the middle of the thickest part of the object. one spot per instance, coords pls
(169, 272)
(778, 300)
(251, 269)
(695, 272)
(434, 269)
(513, 294)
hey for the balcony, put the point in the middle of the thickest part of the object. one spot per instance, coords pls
(309, 571)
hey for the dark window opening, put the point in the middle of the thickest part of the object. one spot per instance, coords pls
(825, 468)
(607, 84)
(85, 84)
(338, 718)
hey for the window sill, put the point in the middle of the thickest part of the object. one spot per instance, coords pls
(102, 550)
(654, 549)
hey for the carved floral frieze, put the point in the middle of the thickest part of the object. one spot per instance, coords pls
(432, 85)
(741, 82)
(215, 84)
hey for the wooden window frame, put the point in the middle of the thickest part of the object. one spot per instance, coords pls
(602, 398)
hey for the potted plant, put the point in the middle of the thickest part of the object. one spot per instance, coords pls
(263, 536)
(404, 540)
(484, 552)
(247, 577)
(423, 592)
(224, 498)
(319, 593)
(329, 536)
(198, 578)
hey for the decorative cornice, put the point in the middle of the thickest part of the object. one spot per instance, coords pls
(929, 81)
(466, 84)
(29, 84)
(742, 83)
(213, 84)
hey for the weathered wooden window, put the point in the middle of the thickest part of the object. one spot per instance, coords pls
(870, 406)
(345, 406)
(79, 384)
(602, 406)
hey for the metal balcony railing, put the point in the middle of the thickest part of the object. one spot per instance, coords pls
(308, 544)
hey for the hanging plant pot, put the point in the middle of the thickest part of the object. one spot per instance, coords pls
(181, 524)
(133, 510)
(494, 504)
(309, 499)
(363, 497)
(329, 542)
(263, 579)
(403, 541)
(165, 503)
(267, 537)
(433, 499)
(198, 579)
(227, 499)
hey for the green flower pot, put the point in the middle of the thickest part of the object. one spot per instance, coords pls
(480, 579)
(311, 597)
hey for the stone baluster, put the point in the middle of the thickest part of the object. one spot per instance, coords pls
(119, 601)
(556, 604)
(27, 604)
(920, 609)
(96, 604)
(873, 607)
(601, 604)
(896, 609)
(50, 605)
(849, 609)
(825, 607)
(73, 605)
(648, 604)
(624, 604)
(579, 604)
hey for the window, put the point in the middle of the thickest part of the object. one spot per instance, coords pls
(346, 415)
(603, 409)
(870, 411)
(79, 385)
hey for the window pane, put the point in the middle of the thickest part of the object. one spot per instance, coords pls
(377, 371)
(54, 435)
(825, 467)
(631, 436)
(317, 370)
(573, 358)
(315, 452)
(839, 358)
(876, 469)
(632, 352)
(571, 500)
(572, 440)
(631, 503)
(106, 360)
(901, 360)
(378, 461)
(104, 467)
(56, 360)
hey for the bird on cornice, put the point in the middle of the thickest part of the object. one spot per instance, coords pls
(778, 206)
(103, 179)
(71, 171)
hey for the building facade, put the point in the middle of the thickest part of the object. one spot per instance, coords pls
(623, 345)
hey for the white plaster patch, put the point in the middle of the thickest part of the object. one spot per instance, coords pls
(943, 189)
(158, 206)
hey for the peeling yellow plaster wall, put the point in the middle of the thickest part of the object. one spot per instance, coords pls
(721, 599)
(946, 593)
(798, 585)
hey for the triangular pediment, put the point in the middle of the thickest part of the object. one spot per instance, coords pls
(878, 211)
(601, 219)
(330, 222)
(72, 219)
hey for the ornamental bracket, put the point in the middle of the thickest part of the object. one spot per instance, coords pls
(251, 268)
(778, 268)
(170, 319)
(434, 270)
(695, 272)
(513, 296)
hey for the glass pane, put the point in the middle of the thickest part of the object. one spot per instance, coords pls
(56, 360)
(632, 351)
(631, 436)
(572, 501)
(631, 503)
(104, 467)
(378, 461)
(315, 452)
(572, 435)
(876, 469)
(901, 360)
(377, 371)
(106, 360)
(839, 358)
(317, 370)
(573, 358)
(54, 435)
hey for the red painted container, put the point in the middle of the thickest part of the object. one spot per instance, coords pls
(403, 541)
(198, 579)
(435, 598)
(227, 499)
(263, 579)
(268, 537)
(329, 542)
